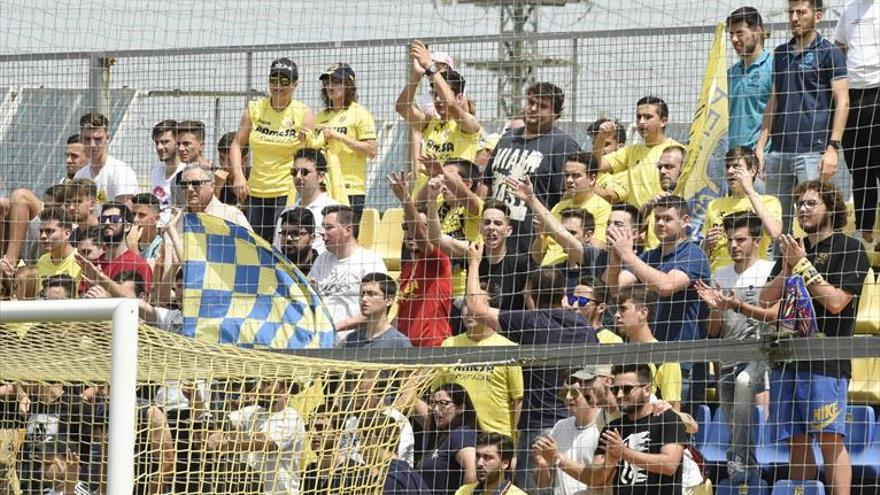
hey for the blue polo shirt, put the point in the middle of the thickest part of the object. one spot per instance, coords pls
(802, 83)
(749, 91)
(677, 317)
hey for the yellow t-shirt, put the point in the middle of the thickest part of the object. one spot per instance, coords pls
(720, 208)
(491, 390)
(445, 140)
(68, 266)
(275, 138)
(598, 207)
(458, 223)
(357, 123)
(667, 379)
(639, 162)
(606, 336)
(470, 488)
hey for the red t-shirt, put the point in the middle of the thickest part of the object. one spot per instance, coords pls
(425, 299)
(125, 262)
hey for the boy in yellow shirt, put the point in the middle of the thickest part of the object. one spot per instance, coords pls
(742, 168)
(60, 257)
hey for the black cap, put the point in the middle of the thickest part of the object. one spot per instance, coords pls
(340, 72)
(455, 81)
(284, 67)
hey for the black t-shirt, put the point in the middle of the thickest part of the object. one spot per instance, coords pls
(542, 159)
(843, 263)
(542, 406)
(648, 434)
(315, 480)
(507, 279)
(402, 480)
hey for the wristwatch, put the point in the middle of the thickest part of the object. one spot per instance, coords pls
(834, 143)
(431, 70)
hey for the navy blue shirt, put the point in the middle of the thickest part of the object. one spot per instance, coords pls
(543, 407)
(439, 467)
(402, 480)
(677, 317)
(802, 83)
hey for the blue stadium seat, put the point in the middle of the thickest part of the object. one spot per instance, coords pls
(789, 487)
(770, 454)
(866, 464)
(703, 417)
(717, 440)
(859, 428)
(753, 487)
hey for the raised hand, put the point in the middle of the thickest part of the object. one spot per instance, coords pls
(420, 54)
(521, 189)
(400, 185)
(475, 251)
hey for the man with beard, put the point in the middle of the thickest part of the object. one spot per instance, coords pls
(639, 453)
(808, 108)
(116, 220)
(750, 80)
(296, 235)
(537, 151)
(270, 434)
(808, 398)
(494, 457)
(164, 173)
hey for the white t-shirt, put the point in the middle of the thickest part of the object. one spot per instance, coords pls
(281, 468)
(323, 200)
(160, 186)
(350, 445)
(114, 179)
(338, 281)
(747, 286)
(577, 444)
(859, 29)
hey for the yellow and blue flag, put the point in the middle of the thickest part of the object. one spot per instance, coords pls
(702, 176)
(238, 289)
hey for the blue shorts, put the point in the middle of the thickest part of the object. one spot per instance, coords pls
(804, 402)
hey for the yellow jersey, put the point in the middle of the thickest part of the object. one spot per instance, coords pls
(356, 122)
(275, 137)
(490, 389)
(639, 163)
(67, 266)
(607, 336)
(598, 207)
(445, 140)
(720, 208)
(667, 380)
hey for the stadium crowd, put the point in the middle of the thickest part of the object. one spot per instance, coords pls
(522, 238)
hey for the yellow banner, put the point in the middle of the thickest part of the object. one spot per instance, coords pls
(703, 169)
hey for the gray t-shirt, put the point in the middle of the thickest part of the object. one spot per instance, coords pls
(389, 339)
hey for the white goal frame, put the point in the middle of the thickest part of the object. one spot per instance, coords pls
(123, 369)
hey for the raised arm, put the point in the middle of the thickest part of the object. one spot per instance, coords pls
(400, 185)
(452, 247)
(457, 112)
(478, 307)
(405, 104)
(606, 130)
(621, 244)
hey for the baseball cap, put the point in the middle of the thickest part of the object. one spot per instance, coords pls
(443, 58)
(284, 67)
(340, 72)
(456, 82)
(590, 372)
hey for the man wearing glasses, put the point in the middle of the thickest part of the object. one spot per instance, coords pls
(639, 452)
(308, 172)
(115, 221)
(295, 237)
(198, 185)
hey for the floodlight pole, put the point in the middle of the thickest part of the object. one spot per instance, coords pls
(123, 369)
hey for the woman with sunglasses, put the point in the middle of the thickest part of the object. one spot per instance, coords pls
(449, 456)
(348, 132)
(274, 128)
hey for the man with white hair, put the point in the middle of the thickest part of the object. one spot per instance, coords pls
(198, 185)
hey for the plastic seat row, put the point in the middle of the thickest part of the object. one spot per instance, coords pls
(781, 487)
(383, 234)
(862, 440)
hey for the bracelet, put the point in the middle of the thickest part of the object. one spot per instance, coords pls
(431, 70)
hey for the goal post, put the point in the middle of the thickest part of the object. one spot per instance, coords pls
(123, 368)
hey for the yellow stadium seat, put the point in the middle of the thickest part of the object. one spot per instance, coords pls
(368, 227)
(389, 238)
(864, 387)
(868, 312)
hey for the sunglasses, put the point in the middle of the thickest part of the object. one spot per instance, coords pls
(194, 183)
(615, 389)
(111, 219)
(580, 300)
(280, 81)
(574, 390)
